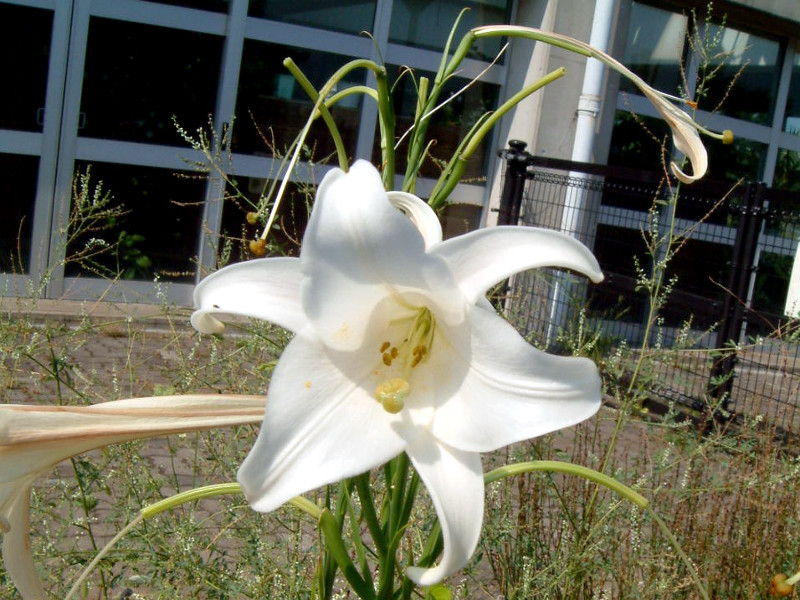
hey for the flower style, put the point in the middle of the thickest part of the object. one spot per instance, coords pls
(33, 439)
(397, 350)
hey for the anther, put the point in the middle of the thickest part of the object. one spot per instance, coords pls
(387, 359)
(385, 347)
(394, 352)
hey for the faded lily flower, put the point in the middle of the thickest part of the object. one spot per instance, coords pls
(685, 131)
(397, 350)
(33, 439)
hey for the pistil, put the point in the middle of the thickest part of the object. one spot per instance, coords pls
(414, 349)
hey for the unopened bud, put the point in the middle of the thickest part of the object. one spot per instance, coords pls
(779, 587)
(727, 137)
(258, 247)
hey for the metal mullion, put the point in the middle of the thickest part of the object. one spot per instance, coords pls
(28, 143)
(778, 114)
(369, 109)
(163, 15)
(308, 38)
(66, 145)
(49, 141)
(47, 4)
(428, 60)
(132, 291)
(230, 71)
(135, 153)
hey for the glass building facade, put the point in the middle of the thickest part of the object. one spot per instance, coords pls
(99, 86)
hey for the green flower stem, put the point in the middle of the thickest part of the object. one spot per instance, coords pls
(416, 148)
(380, 73)
(387, 124)
(452, 175)
(569, 469)
(207, 491)
(156, 508)
(364, 490)
(793, 579)
(100, 555)
(219, 489)
(322, 108)
(356, 89)
(477, 138)
(675, 544)
(358, 541)
(608, 482)
(392, 524)
(329, 526)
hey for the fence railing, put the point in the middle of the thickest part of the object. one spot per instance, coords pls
(728, 279)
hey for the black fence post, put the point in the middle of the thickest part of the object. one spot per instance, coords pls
(513, 182)
(751, 216)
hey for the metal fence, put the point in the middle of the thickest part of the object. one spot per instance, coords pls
(727, 281)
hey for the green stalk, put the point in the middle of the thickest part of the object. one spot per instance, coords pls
(329, 526)
(323, 93)
(322, 108)
(608, 482)
(455, 170)
(396, 493)
(387, 126)
(416, 150)
(569, 469)
(368, 512)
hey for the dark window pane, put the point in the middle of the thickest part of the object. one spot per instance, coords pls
(427, 23)
(272, 108)
(138, 76)
(744, 93)
(787, 171)
(654, 47)
(637, 141)
(351, 16)
(743, 158)
(17, 196)
(25, 48)
(448, 126)
(159, 233)
(212, 5)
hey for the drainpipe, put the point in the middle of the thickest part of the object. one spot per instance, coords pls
(589, 101)
(588, 107)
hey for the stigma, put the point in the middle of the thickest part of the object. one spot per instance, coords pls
(392, 394)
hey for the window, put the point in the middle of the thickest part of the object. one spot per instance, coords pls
(427, 23)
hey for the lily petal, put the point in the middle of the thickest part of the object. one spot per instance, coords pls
(454, 480)
(240, 289)
(684, 136)
(421, 214)
(355, 247)
(17, 558)
(485, 257)
(513, 391)
(33, 439)
(320, 426)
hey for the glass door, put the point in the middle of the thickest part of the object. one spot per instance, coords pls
(35, 35)
(136, 73)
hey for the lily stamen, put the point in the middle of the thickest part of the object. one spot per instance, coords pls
(414, 348)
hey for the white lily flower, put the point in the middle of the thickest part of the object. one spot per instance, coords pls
(33, 439)
(397, 350)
